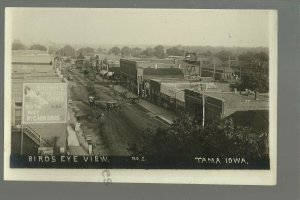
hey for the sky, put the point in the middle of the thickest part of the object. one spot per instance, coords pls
(232, 28)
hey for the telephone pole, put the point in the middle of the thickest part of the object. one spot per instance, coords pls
(214, 68)
(203, 110)
(240, 72)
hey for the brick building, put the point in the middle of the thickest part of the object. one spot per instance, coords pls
(136, 73)
(170, 93)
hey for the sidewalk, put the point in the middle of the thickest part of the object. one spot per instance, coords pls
(120, 89)
(77, 150)
(76, 142)
(72, 137)
(162, 113)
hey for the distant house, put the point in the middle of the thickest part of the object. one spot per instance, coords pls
(194, 65)
(244, 68)
(217, 71)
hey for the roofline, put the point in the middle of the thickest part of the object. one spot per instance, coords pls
(31, 63)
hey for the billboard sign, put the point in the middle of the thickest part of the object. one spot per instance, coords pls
(44, 103)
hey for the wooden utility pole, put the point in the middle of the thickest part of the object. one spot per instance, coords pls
(214, 68)
(22, 138)
(229, 66)
(138, 86)
(203, 110)
(200, 65)
(189, 69)
(240, 72)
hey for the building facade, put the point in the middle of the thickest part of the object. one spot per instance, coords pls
(136, 74)
(218, 106)
(34, 68)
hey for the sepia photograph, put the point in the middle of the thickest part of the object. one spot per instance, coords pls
(141, 95)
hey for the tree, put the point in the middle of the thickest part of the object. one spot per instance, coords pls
(159, 51)
(208, 53)
(125, 51)
(262, 56)
(101, 50)
(250, 56)
(186, 137)
(136, 51)
(86, 51)
(148, 52)
(97, 61)
(178, 139)
(67, 50)
(174, 51)
(247, 56)
(115, 51)
(224, 55)
(52, 50)
(86, 65)
(256, 82)
(38, 47)
(17, 45)
(245, 140)
(80, 56)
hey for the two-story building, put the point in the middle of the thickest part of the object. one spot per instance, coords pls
(137, 73)
(33, 68)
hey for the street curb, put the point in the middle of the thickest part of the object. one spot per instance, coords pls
(166, 121)
(143, 108)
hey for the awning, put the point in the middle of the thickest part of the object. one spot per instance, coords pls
(80, 114)
(110, 74)
(103, 72)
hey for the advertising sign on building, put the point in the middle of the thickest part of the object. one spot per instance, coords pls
(44, 103)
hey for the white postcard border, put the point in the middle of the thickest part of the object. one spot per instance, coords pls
(201, 176)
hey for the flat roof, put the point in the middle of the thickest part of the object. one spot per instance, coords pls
(149, 60)
(171, 80)
(231, 96)
(237, 100)
(31, 58)
(163, 71)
